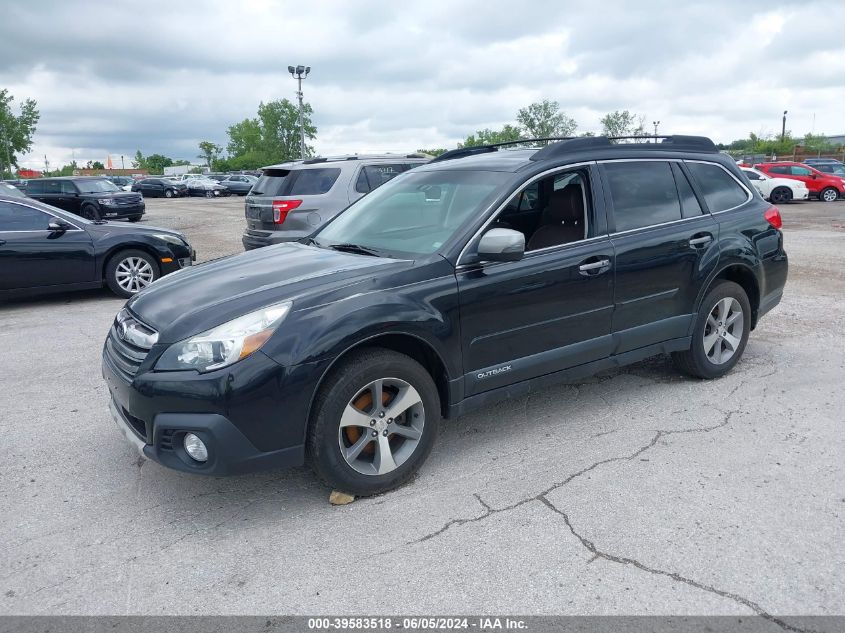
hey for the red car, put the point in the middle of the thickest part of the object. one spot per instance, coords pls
(825, 187)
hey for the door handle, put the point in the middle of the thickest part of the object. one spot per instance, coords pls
(2, 242)
(594, 268)
(695, 242)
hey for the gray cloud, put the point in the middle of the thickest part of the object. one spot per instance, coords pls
(110, 78)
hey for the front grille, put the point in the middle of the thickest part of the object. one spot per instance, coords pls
(126, 356)
(126, 201)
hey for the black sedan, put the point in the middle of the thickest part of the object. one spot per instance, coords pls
(239, 184)
(44, 249)
(159, 188)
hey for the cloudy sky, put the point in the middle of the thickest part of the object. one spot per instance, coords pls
(398, 76)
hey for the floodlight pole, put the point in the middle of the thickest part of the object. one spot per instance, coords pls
(783, 129)
(299, 73)
(655, 123)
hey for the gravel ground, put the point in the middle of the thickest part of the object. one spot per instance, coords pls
(637, 491)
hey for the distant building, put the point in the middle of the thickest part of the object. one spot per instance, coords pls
(178, 170)
(110, 172)
(836, 139)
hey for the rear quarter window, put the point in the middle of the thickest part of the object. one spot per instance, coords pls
(720, 189)
(313, 182)
(271, 182)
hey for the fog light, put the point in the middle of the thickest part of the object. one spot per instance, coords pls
(195, 447)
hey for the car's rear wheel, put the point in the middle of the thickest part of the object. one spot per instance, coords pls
(90, 212)
(721, 332)
(374, 422)
(130, 271)
(135, 218)
(781, 195)
(828, 195)
(168, 193)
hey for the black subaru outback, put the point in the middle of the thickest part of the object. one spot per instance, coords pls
(482, 275)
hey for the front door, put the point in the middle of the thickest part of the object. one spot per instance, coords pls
(552, 309)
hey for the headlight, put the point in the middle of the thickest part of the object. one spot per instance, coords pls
(227, 343)
(106, 201)
(170, 238)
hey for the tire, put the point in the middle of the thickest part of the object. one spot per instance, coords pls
(829, 194)
(168, 193)
(135, 218)
(781, 195)
(701, 361)
(90, 212)
(354, 468)
(119, 272)
(209, 194)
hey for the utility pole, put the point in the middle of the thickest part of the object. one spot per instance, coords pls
(299, 73)
(7, 142)
(783, 129)
(122, 166)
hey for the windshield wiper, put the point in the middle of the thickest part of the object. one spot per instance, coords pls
(355, 248)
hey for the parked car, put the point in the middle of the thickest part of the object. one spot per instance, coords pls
(825, 187)
(160, 188)
(205, 187)
(294, 199)
(834, 169)
(90, 197)
(815, 162)
(44, 249)
(778, 190)
(239, 184)
(480, 276)
(124, 182)
(10, 190)
(18, 183)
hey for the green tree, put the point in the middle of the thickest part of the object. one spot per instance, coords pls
(271, 137)
(544, 119)
(209, 151)
(139, 162)
(623, 123)
(94, 165)
(817, 143)
(156, 163)
(432, 152)
(489, 137)
(16, 131)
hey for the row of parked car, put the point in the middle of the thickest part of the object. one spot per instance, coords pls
(785, 181)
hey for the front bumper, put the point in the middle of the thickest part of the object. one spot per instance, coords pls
(251, 415)
(122, 212)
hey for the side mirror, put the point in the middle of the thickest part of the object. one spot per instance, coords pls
(501, 245)
(58, 226)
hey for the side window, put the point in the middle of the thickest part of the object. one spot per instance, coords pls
(720, 190)
(690, 206)
(779, 169)
(752, 175)
(68, 187)
(643, 193)
(800, 171)
(362, 185)
(52, 186)
(35, 187)
(550, 211)
(377, 175)
(313, 182)
(17, 217)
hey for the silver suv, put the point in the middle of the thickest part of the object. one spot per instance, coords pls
(292, 200)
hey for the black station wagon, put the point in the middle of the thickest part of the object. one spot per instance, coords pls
(484, 274)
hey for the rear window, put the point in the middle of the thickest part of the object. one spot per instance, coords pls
(313, 182)
(270, 183)
(720, 190)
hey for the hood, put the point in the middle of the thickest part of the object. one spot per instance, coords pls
(122, 228)
(201, 297)
(112, 194)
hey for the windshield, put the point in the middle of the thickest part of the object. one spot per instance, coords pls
(96, 186)
(415, 213)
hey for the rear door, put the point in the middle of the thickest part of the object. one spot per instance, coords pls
(666, 245)
(32, 256)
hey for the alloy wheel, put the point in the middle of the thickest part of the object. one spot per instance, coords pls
(134, 274)
(829, 195)
(381, 426)
(723, 331)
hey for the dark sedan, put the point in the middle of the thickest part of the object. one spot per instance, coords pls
(159, 188)
(44, 249)
(239, 184)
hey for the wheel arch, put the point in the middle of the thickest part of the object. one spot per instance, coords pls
(742, 275)
(404, 343)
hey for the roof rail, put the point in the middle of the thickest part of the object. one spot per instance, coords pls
(462, 152)
(674, 142)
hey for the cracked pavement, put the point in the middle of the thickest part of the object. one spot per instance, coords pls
(637, 491)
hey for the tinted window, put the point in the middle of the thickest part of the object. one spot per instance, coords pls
(825, 168)
(752, 175)
(720, 190)
(643, 194)
(313, 182)
(67, 187)
(271, 183)
(362, 185)
(690, 206)
(779, 169)
(801, 171)
(96, 186)
(16, 217)
(35, 186)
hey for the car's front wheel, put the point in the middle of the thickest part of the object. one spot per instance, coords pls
(374, 422)
(829, 195)
(130, 271)
(90, 212)
(168, 193)
(721, 332)
(781, 195)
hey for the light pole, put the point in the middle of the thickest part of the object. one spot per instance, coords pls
(783, 129)
(299, 73)
(655, 123)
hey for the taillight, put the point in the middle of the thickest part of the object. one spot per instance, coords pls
(772, 216)
(281, 208)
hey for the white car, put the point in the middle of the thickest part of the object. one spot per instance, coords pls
(777, 190)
